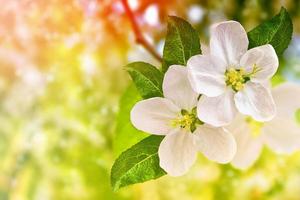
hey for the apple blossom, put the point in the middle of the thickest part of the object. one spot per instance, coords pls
(281, 134)
(231, 78)
(175, 115)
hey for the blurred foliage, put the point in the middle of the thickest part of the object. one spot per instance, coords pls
(61, 79)
(126, 134)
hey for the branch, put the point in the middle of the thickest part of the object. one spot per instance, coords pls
(138, 34)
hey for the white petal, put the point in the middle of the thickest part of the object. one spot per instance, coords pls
(177, 152)
(283, 132)
(266, 84)
(217, 111)
(256, 101)
(282, 135)
(287, 99)
(229, 42)
(265, 58)
(216, 144)
(154, 115)
(248, 146)
(206, 75)
(177, 88)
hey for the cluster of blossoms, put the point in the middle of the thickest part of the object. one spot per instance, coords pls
(221, 105)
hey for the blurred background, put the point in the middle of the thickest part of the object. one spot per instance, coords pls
(61, 81)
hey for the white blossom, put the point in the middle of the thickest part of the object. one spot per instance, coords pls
(281, 134)
(231, 78)
(175, 116)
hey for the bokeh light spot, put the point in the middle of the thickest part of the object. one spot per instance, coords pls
(134, 4)
(151, 15)
(195, 14)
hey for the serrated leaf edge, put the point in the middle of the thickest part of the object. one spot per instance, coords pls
(116, 186)
(146, 78)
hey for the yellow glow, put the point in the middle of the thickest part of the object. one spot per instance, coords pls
(297, 116)
(255, 126)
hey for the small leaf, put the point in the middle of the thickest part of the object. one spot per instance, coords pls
(126, 134)
(276, 31)
(138, 164)
(182, 42)
(147, 79)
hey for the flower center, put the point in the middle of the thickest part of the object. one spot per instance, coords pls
(187, 120)
(235, 78)
(255, 126)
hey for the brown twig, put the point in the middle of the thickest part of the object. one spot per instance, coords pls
(138, 34)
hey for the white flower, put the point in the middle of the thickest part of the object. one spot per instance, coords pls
(175, 116)
(281, 134)
(232, 77)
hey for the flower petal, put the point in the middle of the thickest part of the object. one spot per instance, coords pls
(256, 101)
(154, 115)
(177, 88)
(286, 97)
(229, 42)
(216, 144)
(248, 146)
(177, 152)
(206, 75)
(217, 111)
(282, 134)
(264, 58)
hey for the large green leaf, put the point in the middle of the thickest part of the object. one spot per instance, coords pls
(126, 134)
(147, 79)
(182, 42)
(138, 164)
(277, 31)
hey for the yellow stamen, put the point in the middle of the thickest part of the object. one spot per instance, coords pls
(186, 120)
(255, 69)
(235, 78)
(183, 121)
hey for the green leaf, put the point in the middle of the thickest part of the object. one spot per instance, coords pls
(276, 31)
(182, 42)
(138, 164)
(126, 134)
(147, 79)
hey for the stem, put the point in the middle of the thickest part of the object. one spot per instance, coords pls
(138, 34)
